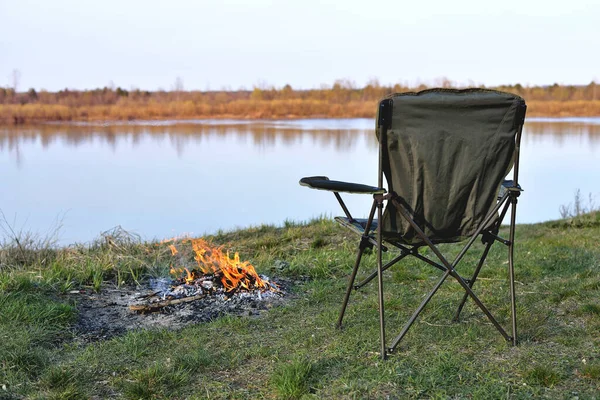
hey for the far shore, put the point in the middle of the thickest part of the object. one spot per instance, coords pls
(17, 114)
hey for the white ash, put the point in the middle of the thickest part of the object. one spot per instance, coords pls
(106, 314)
(166, 289)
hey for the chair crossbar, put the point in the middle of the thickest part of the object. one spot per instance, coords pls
(389, 264)
(471, 282)
(404, 252)
(450, 270)
(488, 245)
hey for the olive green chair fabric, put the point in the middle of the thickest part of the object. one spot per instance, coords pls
(445, 155)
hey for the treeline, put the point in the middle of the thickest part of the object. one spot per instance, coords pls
(342, 99)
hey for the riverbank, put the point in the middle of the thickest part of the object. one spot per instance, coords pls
(293, 349)
(128, 110)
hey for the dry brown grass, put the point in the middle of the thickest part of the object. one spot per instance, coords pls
(243, 109)
(574, 108)
(342, 100)
(238, 109)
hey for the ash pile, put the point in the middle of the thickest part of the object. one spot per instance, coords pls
(204, 283)
(206, 290)
(217, 279)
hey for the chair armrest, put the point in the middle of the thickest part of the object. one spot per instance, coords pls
(508, 186)
(323, 183)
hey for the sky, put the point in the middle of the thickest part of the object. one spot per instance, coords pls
(233, 44)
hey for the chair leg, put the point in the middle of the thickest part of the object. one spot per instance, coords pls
(364, 243)
(511, 269)
(361, 249)
(473, 279)
(380, 280)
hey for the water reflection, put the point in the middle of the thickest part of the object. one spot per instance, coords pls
(587, 129)
(261, 134)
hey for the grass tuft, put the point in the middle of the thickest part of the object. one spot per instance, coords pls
(591, 371)
(70, 392)
(194, 360)
(591, 308)
(542, 375)
(57, 377)
(291, 379)
(155, 381)
(318, 242)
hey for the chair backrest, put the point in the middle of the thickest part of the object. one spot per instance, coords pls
(445, 152)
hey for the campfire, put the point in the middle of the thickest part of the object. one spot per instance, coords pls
(214, 273)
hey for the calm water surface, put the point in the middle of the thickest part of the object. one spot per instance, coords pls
(165, 179)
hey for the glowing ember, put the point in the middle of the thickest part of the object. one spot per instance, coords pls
(233, 273)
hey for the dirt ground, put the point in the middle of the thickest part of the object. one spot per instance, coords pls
(107, 314)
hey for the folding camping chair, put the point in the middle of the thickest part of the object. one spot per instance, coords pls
(445, 154)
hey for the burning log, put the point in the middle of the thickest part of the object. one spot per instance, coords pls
(216, 273)
(233, 273)
(153, 307)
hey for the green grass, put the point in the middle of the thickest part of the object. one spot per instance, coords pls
(294, 351)
(291, 379)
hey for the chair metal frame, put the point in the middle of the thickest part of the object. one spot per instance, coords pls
(510, 191)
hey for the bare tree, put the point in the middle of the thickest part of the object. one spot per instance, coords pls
(15, 79)
(178, 86)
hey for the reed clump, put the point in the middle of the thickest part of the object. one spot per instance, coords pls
(341, 100)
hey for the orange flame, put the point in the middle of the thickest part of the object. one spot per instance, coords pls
(233, 272)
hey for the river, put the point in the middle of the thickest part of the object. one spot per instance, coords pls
(164, 179)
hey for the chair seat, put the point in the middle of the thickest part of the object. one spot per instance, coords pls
(357, 225)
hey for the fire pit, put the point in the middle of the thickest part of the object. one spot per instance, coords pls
(204, 283)
(215, 274)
